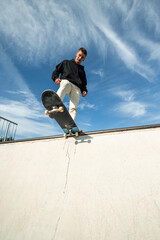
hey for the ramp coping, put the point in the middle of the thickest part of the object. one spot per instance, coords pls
(143, 127)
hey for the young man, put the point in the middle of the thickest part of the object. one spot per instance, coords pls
(72, 80)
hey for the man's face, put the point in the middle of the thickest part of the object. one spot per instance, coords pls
(80, 57)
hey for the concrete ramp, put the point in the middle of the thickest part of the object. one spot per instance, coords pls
(101, 186)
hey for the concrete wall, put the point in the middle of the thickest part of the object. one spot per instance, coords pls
(99, 186)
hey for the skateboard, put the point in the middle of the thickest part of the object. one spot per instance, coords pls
(57, 110)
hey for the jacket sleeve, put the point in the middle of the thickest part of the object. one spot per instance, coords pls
(57, 71)
(85, 83)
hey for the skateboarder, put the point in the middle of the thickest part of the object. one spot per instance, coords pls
(72, 80)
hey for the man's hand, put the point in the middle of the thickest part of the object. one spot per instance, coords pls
(84, 93)
(57, 81)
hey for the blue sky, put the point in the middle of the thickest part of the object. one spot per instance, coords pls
(122, 38)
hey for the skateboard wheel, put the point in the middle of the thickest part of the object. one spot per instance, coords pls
(46, 112)
(61, 109)
(76, 134)
(80, 130)
(65, 135)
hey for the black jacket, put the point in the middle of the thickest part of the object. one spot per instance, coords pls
(73, 72)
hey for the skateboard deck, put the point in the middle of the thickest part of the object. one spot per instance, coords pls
(57, 110)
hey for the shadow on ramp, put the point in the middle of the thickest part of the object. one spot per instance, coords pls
(83, 139)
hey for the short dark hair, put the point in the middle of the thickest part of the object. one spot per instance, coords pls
(83, 50)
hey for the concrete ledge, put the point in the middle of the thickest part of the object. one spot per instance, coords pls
(134, 128)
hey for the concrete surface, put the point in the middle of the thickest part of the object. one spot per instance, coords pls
(101, 186)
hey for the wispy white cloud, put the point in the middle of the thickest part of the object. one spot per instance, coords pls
(127, 54)
(86, 124)
(151, 47)
(20, 109)
(142, 17)
(141, 24)
(126, 95)
(44, 31)
(151, 16)
(154, 118)
(98, 72)
(33, 30)
(21, 105)
(31, 121)
(24, 111)
(133, 109)
(124, 92)
(125, 50)
(129, 106)
(83, 105)
(130, 9)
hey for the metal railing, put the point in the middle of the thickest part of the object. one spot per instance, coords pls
(7, 130)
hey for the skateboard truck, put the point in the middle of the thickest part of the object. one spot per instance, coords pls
(71, 132)
(54, 110)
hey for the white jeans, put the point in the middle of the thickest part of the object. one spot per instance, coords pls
(73, 91)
